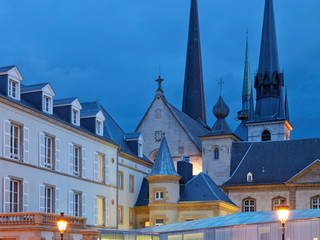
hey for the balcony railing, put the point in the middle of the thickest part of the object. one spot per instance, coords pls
(37, 218)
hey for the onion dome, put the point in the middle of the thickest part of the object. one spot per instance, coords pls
(221, 109)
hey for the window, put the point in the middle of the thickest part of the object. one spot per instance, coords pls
(140, 150)
(315, 202)
(266, 136)
(216, 153)
(159, 222)
(48, 160)
(120, 179)
(101, 167)
(131, 216)
(15, 196)
(101, 210)
(131, 183)
(48, 207)
(13, 89)
(99, 127)
(278, 201)
(158, 195)
(249, 177)
(75, 117)
(249, 205)
(120, 214)
(47, 104)
(76, 160)
(15, 141)
(77, 204)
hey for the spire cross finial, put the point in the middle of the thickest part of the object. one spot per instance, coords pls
(221, 82)
(159, 81)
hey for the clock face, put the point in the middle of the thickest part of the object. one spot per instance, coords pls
(158, 136)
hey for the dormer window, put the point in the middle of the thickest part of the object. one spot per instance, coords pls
(99, 127)
(249, 177)
(47, 104)
(75, 117)
(13, 89)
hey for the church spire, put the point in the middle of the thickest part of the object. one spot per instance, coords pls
(193, 93)
(269, 80)
(246, 88)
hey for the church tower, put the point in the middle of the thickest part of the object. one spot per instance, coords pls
(270, 121)
(193, 93)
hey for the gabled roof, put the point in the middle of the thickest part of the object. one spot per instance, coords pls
(45, 87)
(7, 68)
(202, 188)
(143, 197)
(64, 101)
(11, 71)
(271, 162)
(163, 164)
(90, 109)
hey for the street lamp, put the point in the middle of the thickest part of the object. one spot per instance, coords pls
(62, 224)
(283, 215)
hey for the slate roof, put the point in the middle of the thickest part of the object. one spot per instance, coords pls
(163, 164)
(64, 101)
(202, 188)
(39, 86)
(6, 68)
(242, 132)
(143, 197)
(89, 109)
(271, 162)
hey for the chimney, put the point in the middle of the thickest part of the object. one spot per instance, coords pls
(184, 168)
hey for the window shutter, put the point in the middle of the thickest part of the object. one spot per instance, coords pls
(57, 200)
(43, 103)
(42, 149)
(25, 196)
(95, 207)
(6, 194)
(95, 166)
(71, 158)
(42, 198)
(6, 139)
(106, 170)
(70, 207)
(57, 155)
(26, 145)
(107, 213)
(84, 163)
(84, 196)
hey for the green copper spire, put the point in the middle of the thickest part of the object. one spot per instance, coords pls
(247, 88)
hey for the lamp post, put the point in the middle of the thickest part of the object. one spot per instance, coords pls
(62, 224)
(283, 215)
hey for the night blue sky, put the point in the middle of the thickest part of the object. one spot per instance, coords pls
(113, 50)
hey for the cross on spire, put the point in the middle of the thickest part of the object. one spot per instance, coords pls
(159, 81)
(221, 82)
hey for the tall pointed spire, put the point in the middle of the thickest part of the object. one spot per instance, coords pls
(193, 93)
(286, 105)
(246, 88)
(269, 80)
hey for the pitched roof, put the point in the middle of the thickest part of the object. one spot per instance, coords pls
(64, 101)
(202, 188)
(163, 164)
(39, 86)
(143, 197)
(6, 68)
(90, 109)
(271, 162)
(242, 132)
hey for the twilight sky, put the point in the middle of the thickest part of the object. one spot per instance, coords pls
(113, 50)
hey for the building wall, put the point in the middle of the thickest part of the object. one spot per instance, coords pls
(160, 120)
(279, 131)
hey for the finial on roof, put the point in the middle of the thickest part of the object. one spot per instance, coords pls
(221, 82)
(221, 109)
(159, 81)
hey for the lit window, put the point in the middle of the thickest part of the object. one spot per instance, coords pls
(249, 205)
(315, 202)
(15, 141)
(158, 195)
(76, 160)
(47, 104)
(266, 136)
(120, 179)
(249, 177)
(100, 167)
(131, 216)
(159, 222)
(216, 154)
(99, 127)
(120, 214)
(77, 204)
(101, 210)
(131, 183)
(13, 89)
(48, 161)
(278, 201)
(49, 199)
(15, 195)
(75, 117)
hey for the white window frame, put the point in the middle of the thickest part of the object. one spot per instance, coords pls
(75, 116)
(15, 198)
(47, 103)
(48, 159)
(99, 127)
(159, 223)
(158, 195)
(76, 160)
(15, 141)
(249, 177)
(77, 202)
(249, 205)
(49, 200)
(13, 89)
(277, 202)
(315, 202)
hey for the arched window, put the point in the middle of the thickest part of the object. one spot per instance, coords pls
(266, 136)
(315, 202)
(278, 201)
(248, 205)
(216, 153)
(249, 177)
